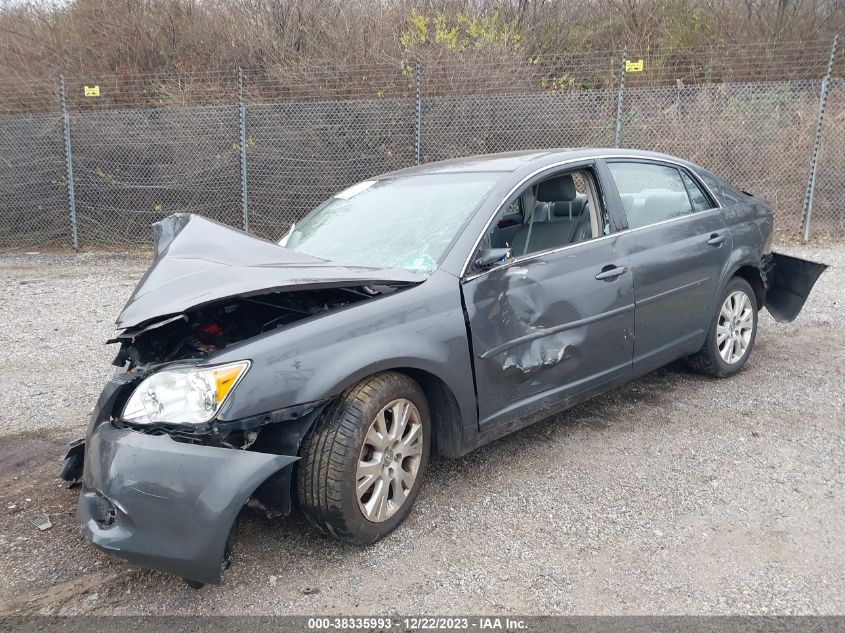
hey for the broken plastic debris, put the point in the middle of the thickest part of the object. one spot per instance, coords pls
(42, 522)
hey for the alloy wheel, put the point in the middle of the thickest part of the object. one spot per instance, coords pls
(390, 460)
(735, 327)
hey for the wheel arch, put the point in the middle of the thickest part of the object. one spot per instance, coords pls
(276, 494)
(751, 274)
(446, 419)
(446, 416)
(745, 264)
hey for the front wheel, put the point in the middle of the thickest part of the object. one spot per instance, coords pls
(732, 332)
(363, 462)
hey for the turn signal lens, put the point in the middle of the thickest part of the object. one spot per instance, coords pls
(225, 378)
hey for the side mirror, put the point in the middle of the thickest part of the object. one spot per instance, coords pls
(491, 256)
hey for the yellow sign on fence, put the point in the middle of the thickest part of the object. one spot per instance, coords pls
(92, 91)
(634, 66)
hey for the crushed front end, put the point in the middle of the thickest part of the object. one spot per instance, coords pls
(167, 501)
(169, 459)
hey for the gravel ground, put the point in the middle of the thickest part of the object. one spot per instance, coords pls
(675, 494)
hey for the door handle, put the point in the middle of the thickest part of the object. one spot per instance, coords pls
(609, 273)
(716, 239)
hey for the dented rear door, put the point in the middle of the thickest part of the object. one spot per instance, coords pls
(544, 329)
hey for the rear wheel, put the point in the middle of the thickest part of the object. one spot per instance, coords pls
(363, 462)
(732, 332)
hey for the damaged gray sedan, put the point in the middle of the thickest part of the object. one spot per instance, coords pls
(429, 310)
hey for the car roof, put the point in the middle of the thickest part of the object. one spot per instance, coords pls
(510, 162)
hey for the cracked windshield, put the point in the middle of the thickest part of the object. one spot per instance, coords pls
(404, 222)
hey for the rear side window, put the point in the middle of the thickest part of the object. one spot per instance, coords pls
(726, 194)
(652, 193)
(700, 201)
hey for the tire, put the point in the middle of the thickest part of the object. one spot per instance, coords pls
(715, 358)
(350, 443)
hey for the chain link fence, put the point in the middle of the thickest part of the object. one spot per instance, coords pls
(300, 153)
(828, 218)
(758, 136)
(133, 167)
(95, 165)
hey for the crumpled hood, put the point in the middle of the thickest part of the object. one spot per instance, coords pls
(198, 261)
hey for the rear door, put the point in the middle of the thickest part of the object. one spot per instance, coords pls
(554, 321)
(677, 244)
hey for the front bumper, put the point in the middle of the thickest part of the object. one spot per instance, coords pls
(161, 503)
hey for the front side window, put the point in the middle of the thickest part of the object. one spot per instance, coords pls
(563, 211)
(651, 193)
(403, 222)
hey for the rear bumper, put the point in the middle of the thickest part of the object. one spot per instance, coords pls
(164, 504)
(789, 281)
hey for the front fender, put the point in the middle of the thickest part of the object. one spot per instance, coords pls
(420, 328)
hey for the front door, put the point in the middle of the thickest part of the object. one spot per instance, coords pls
(555, 322)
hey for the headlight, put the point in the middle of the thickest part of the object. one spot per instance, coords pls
(183, 395)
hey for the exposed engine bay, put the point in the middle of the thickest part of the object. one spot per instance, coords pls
(210, 328)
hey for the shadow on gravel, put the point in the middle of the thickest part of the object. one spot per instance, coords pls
(599, 415)
(57, 566)
(19, 454)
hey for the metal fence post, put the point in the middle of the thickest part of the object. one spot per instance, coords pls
(619, 97)
(242, 121)
(814, 157)
(71, 195)
(418, 122)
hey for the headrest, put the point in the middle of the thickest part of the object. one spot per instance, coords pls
(570, 209)
(556, 189)
(667, 203)
(542, 212)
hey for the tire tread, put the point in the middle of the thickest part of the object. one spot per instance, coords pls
(326, 450)
(706, 361)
